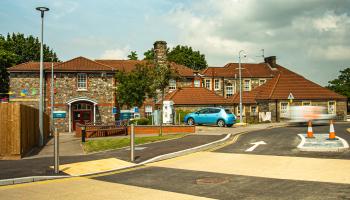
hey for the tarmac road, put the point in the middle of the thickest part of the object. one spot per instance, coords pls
(284, 142)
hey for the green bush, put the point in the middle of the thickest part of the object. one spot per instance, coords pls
(182, 113)
(141, 121)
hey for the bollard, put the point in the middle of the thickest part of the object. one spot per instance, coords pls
(83, 133)
(132, 142)
(56, 153)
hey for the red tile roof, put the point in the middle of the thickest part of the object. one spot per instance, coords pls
(195, 96)
(249, 70)
(122, 65)
(247, 97)
(30, 66)
(129, 65)
(287, 82)
(82, 64)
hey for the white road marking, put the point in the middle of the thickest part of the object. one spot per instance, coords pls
(255, 144)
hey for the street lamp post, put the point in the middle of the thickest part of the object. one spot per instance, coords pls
(41, 101)
(240, 85)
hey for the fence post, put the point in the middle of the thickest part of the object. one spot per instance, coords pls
(83, 133)
(132, 142)
(56, 152)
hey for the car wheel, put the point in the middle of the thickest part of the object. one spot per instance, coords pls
(190, 121)
(229, 125)
(221, 123)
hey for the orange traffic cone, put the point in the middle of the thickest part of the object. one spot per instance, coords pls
(310, 133)
(331, 131)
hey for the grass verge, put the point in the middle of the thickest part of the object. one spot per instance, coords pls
(116, 143)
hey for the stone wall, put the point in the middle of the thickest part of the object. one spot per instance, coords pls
(25, 81)
(99, 89)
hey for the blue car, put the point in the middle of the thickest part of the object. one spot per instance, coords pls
(220, 116)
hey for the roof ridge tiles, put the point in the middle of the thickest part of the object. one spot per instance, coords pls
(274, 86)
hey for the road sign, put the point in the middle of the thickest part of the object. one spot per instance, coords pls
(290, 97)
(59, 114)
(136, 109)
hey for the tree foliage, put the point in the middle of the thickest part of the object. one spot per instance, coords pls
(132, 55)
(149, 55)
(15, 48)
(183, 55)
(134, 87)
(341, 84)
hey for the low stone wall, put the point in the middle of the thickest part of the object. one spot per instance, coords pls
(166, 129)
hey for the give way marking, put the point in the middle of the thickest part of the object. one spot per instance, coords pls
(255, 144)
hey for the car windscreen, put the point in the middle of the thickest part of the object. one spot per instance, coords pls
(228, 111)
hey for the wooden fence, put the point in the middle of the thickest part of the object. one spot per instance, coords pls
(19, 129)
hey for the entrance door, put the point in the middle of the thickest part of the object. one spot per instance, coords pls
(82, 113)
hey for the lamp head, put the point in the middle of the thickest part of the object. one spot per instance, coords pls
(42, 10)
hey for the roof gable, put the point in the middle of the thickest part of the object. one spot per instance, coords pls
(82, 64)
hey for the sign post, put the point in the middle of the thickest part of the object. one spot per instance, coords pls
(132, 143)
(56, 152)
(57, 115)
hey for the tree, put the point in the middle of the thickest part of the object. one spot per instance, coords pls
(16, 49)
(7, 59)
(132, 55)
(182, 55)
(134, 87)
(341, 84)
(149, 55)
(27, 48)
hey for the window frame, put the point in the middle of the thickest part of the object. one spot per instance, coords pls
(172, 84)
(218, 84)
(198, 81)
(284, 114)
(227, 86)
(206, 82)
(335, 107)
(79, 82)
(250, 85)
(237, 112)
(256, 110)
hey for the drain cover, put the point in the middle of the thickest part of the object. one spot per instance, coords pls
(211, 180)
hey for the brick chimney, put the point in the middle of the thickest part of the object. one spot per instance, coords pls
(271, 60)
(160, 51)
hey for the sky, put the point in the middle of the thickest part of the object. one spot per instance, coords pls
(309, 37)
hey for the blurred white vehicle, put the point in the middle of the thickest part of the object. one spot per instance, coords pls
(317, 114)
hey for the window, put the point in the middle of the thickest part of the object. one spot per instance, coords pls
(238, 110)
(331, 107)
(197, 83)
(262, 81)
(214, 110)
(204, 111)
(246, 85)
(229, 90)
(172, 84)
(306, 103)
(148, 110)
(284, 106)
(82, 82)
(207, 84)
(253, 110)
(216, 84)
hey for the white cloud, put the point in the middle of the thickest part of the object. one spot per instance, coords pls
(117, 53)
(330, 21)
